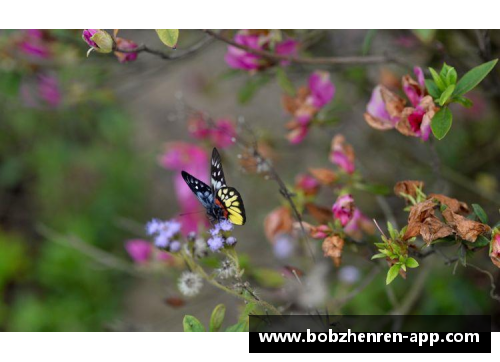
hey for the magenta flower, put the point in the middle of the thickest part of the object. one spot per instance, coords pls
(34, 44)
(359, 224)
(495, 248)
(259, 40)
(193, 159)
(224, 133)
(139, 250)
(415, 91)
(342, 154)
(125, 44)
(343, 209)
(48, 89)
(87, 36)
(308, 184)
(322, 89)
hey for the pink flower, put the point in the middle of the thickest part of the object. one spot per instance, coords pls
(306, 105)
(358, 224)
(415, 91)
(259, 40)
(376, 114)
(193, 159)
(139, 250)
(40, 91)
(125, 44)
(342, 154)
(87, 35)
(495, 248)
(322, 89)
(343, 209)
(224, 133)
(320, 232)
(307, 183)
(34, 44)
(48, 88)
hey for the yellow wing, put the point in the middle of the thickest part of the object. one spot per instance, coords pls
(232, 203)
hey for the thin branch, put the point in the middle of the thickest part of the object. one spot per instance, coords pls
(173, 56)
(492, 281)
(275, 58)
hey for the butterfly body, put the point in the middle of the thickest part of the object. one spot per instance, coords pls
(220, 201)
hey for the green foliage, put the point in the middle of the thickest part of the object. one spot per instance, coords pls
(445, 89)
(480, 213)
(251, 87)
(217, 318)
(191, 324)
(441, 123)
(169, 37)
(284, 82)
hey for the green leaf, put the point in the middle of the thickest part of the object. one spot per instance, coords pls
(466, 102)
(480, 213)
(168, 37)
(425, 35)
(217, 318)
(451, 77)
(241, 326)
(441, 123)
(248, 91)
(411, 263)
(284, 82)
(432, 88)
(376, 189)
(481, 241)
(378, 256)
(473, 77)
(392, 273)
(191, 324)
(437, 79)
(249, 308)
(446, 94)
(392, 232)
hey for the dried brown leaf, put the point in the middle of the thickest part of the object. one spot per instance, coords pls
(324, 175)
(321, 214)
(466, 229)
(408, 187)
(277, 222)
(418, 214)
(332, 247)
(457, 207)
(432, 229)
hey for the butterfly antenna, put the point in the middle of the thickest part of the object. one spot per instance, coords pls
(191, 213)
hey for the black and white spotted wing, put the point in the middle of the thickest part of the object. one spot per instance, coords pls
(202, 191)
(217, 178)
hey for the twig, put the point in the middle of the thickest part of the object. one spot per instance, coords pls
(188, 51)
(492, 281)
(351, 60)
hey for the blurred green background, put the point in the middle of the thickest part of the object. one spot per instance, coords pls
(79, 158)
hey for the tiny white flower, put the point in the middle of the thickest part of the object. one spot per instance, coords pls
(190, 284)
(227, 269)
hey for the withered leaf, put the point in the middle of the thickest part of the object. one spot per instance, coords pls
(324, 175)
(393, 103)
(377, 123)
(321, 214)
(277, 222)
(466, 229)
(418, 214)
(454, 205)
(433, 229)
(332, 247)
(408, 187)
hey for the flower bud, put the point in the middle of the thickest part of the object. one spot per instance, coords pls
(98, 40)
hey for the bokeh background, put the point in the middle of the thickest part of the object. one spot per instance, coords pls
(80, 140)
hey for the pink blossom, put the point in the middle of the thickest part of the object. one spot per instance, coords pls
(125, 44)
(48, 88)
(139, 250)
(321, 232)
(259, 40)
(307, 183)
(376, 108)
(343, 209)
(322, 89)
(193, 159)
(342, 154)
(198, 127)
(34, 44)
(358, 224)
(224, 133)
(415, 91)
(87, 35)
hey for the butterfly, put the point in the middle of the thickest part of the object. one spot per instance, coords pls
(220, 201)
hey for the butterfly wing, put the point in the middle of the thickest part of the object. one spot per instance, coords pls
(202, 191)
(229, 199)
(216, 174)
